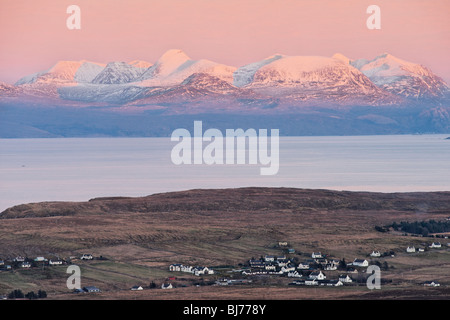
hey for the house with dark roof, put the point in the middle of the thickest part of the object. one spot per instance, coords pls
(435, 245)
(166, 286)
(136, 288)
(431, 284)
(319, 275)
(91, 289)
(345, 278)
(361, 263)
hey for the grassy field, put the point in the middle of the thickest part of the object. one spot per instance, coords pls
(139, 238)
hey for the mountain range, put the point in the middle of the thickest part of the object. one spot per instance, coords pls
(278, 85)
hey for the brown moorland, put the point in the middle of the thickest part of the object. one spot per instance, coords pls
(140, 237)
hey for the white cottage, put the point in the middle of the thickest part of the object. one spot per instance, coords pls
(375, 254)
(435, 245)
(303, 266)
(411, 249)
(317, 275)
(311, 282)
(166, 286)
(55, 262)
(361, 263)
(345, 278)
(432, 284)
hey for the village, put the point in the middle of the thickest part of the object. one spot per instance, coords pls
(296, 268)
(307, 272)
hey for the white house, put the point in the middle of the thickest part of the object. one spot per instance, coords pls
(375, 254)
(25, 265)
(188, 269)
(294, 274)
(316, 255)
(19, 259)
(435, 245)
(175, 267)
(303, 266)
(288, 268)
(361, 263)
(331, 283)
(270, 267)
(411, 249)
(202, 270)
(55, 262)
(137, 288)
(91, 289)
(317, 275)
(331, 266)
(87, 256)
(311, 282)
(269, 258)
(282, 263)
(166, 286)
(40, 259)
(431, 284)
(345, 278)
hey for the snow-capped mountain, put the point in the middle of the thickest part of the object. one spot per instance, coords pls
(306, 78)
(63, 72)
(88, 71)
(402, 77)
(287, 82)
(175, 66)
(117, 73)
(244, 75)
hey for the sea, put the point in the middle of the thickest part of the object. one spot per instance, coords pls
(78, 169)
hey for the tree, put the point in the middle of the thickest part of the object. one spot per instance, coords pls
(42, 294)
(16, 294)
(342, 264)
(31, 295)
(152, 285)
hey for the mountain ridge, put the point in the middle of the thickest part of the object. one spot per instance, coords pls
(293, 80)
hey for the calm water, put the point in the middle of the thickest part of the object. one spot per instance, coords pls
(34, 170)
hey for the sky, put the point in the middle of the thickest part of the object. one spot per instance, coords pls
(34, 35)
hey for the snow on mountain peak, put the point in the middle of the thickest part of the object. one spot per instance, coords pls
(244, 75)
(294, 70)
(174, 66)
(401, 77)
(118, 73)
(66, 71)
(88, 71)
(166, 64)
(385, 79)
(387, 65)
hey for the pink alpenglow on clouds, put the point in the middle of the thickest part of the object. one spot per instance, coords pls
(34, 34)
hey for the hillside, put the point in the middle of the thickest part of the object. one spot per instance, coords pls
(244, 199)
(140, 237)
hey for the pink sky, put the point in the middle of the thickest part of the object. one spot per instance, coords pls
(33, 33)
